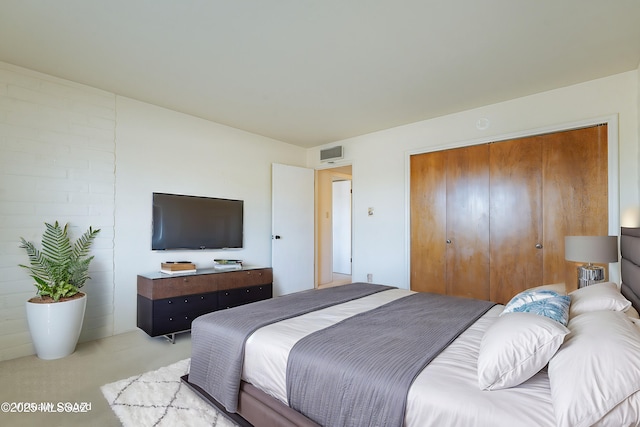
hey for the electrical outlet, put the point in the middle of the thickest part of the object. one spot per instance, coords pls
(369, 277)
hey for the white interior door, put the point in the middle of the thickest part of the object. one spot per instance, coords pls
(292, 244)
(341, 207)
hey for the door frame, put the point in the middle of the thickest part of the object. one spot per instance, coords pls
(613, 172)
(317, 243)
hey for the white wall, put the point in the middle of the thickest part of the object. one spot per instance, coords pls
(57, 157)
(164, 151)
(76, 154)
(380, 161)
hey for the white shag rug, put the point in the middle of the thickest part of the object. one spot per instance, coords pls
(159, 398)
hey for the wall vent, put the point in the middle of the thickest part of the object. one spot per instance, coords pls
(331, 154)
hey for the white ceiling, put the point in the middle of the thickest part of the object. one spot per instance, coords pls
(309, 72)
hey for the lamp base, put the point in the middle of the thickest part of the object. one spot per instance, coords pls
(589, 274)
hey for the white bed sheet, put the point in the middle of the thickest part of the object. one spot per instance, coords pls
(445, 393)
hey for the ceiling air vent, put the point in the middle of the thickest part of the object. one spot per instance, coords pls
(331, 154)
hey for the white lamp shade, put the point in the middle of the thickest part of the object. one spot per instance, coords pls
(598, 249)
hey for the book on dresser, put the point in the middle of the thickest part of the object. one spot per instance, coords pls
(173, 267)
(227, 264)
(162, 270)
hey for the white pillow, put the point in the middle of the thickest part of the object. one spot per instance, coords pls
(625, 414)
(515, 348)
(599, 296)
(596, 370)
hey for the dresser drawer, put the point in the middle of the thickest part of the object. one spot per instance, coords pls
(201, 303)
(176, 286)
(258, 293)
(166, 316)
(235, 297)
(169, 324)
(246, 278)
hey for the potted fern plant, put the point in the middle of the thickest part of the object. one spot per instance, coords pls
(59, 269)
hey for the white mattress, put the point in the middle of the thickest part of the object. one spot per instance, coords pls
(446, 393)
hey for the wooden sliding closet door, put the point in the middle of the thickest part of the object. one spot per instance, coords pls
(468, 222)
(575, 194)
(516, 243)
(450, 222)
(428, 219)
(489, 221)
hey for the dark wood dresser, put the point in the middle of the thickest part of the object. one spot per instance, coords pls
(167, 304)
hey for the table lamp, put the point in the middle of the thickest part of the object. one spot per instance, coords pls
(590, 249)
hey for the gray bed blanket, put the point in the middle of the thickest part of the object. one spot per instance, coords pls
(358, 372)
(217, 339)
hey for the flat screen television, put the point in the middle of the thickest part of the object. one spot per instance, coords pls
(193, 222)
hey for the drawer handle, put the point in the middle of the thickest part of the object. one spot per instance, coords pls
(186, 300)
(248, 290)
(171, 319)
(201, 297)
(169, 302)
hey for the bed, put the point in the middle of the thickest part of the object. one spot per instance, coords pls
(544, 359)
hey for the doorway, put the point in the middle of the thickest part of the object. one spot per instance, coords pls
(333, 226)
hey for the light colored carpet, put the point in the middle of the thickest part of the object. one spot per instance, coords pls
(159, 398)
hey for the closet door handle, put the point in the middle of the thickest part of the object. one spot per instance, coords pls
(448, 241)
(538, 245)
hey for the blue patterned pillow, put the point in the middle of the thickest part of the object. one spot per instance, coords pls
(556, 308)
(526, 297)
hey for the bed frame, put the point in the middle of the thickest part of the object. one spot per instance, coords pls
(258, 408)
(630, 265)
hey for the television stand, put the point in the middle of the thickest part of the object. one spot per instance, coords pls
(167, 304)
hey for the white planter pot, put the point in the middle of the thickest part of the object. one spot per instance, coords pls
(55, 327)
